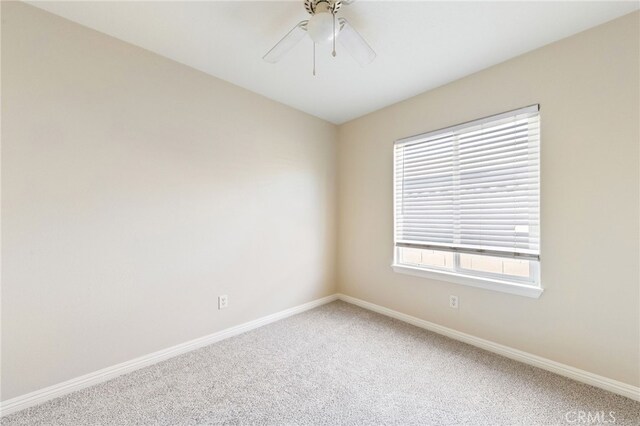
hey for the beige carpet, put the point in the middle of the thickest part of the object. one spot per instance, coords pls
(337, 364)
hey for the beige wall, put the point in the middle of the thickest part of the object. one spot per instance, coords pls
(589, 314)
(135, 191)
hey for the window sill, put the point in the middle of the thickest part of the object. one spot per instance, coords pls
(486, 283)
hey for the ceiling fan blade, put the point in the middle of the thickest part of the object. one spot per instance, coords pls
(355, 44)
(292, 38)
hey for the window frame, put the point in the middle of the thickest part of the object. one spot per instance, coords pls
(529, 287)
(509, 287)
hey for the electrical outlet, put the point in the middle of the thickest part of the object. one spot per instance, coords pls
(223, 302)
(453, 302)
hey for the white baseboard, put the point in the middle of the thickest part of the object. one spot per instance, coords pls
(34, 398)
(601, 382)
(37, 397)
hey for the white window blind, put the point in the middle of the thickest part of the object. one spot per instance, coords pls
(472, 188)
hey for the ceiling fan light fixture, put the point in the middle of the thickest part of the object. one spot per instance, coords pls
(320, 28)
(323, 27)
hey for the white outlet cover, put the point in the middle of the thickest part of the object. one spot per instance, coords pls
(223, 302)
(453, 302)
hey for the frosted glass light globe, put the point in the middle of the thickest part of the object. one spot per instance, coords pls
(320, 27)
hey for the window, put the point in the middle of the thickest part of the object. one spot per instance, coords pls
(467, 203)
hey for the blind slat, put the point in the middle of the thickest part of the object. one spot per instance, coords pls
(474, 187)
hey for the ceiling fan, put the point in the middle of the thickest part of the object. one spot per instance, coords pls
(324, 27)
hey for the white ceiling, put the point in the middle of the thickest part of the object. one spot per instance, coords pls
(420, 45)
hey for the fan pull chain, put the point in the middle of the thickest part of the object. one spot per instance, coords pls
(314, 59)
(334, 35)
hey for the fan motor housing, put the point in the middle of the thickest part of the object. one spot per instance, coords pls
(312, 6)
